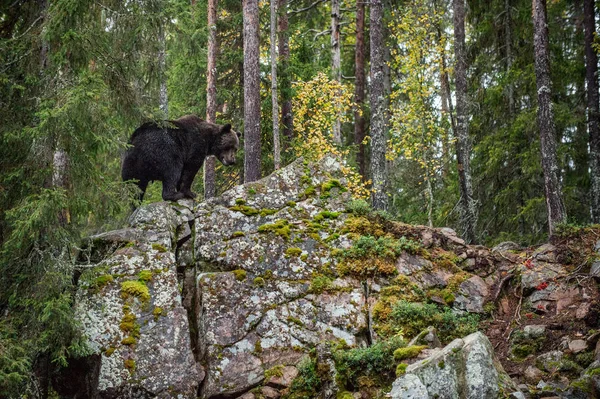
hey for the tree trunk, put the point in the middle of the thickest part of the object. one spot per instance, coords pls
(275, 113)
(163, 100)
(359, 89)
(593, 114)
(509, 56)
(378, 139)
(336, 69)
(287, 118)
(554, 201)
(251, 92)
(211, 94)
(468, 212)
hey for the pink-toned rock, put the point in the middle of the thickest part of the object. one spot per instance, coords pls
(533, 375)
(583, 310)
(270, 393)
(285, 379)
(247, 395)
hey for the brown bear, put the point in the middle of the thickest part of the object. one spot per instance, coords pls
(174, 151)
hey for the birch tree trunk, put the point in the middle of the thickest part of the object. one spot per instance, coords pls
(545, 116)
(211, 94)
(287, 117)
(251, 92)
(336, 69)
(593, 114)
(359, 89)
(275, 113)
(468, 212)
(377, 100)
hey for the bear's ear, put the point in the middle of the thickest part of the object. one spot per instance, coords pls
(226, 129)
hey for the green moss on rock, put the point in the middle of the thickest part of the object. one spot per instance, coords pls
(135, 289)
(281, 228)
(409, 352)
(159, 247)
(237, 234)
(293, 251)
(240, 275)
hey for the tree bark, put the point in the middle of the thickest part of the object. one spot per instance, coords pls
(287, 117)
(336, 69)
(468, 212)
(211, 95)
(377, 100)
(593, 114)
(359, 89)
(545, 116)
(163, 100)
(275, 105)
(251, 92)
(509, 55)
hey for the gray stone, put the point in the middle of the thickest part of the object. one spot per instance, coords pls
(139, 329)
(472, 294)
(595, 269)
(545, 253)
(578, 345)
(506, 246)
(549, 361)
(517, 395)
(534, 330)
(409, 387)
(465, 368)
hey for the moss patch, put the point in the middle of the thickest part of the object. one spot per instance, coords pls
(409, 352)
(237, 234)
(159, 248)
(240, 275)
(136, 289)
(145, 275)
(293, 251)
(245, 209)
(280, 228)
(401, 369)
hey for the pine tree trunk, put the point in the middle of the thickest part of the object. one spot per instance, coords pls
(593, 114)
(275, 113)
(287, 118)
(211, 94)
(359, 89)
(545, 116)
(509, 55)
(468, 212)
(251, 92)
(377, 100)
(336, 69)
(163, 100)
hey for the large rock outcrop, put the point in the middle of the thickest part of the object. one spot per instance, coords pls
(226, 298)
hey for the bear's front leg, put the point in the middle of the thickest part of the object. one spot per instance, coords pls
(169, 189)
(187, 178)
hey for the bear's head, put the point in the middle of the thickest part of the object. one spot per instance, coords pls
(227, 145)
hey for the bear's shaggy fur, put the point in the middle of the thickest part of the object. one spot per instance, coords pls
(174, 151)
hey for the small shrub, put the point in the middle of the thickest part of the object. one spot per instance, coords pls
(358, 207)
(374, 362)
(415, 317)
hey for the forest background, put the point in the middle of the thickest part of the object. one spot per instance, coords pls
(78, 76)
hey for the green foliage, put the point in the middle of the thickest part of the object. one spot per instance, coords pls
(358, 207)
(409, 352)
(367, 246)
(280, 227)
(308, 382)
(415, 317)
(375, 362)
